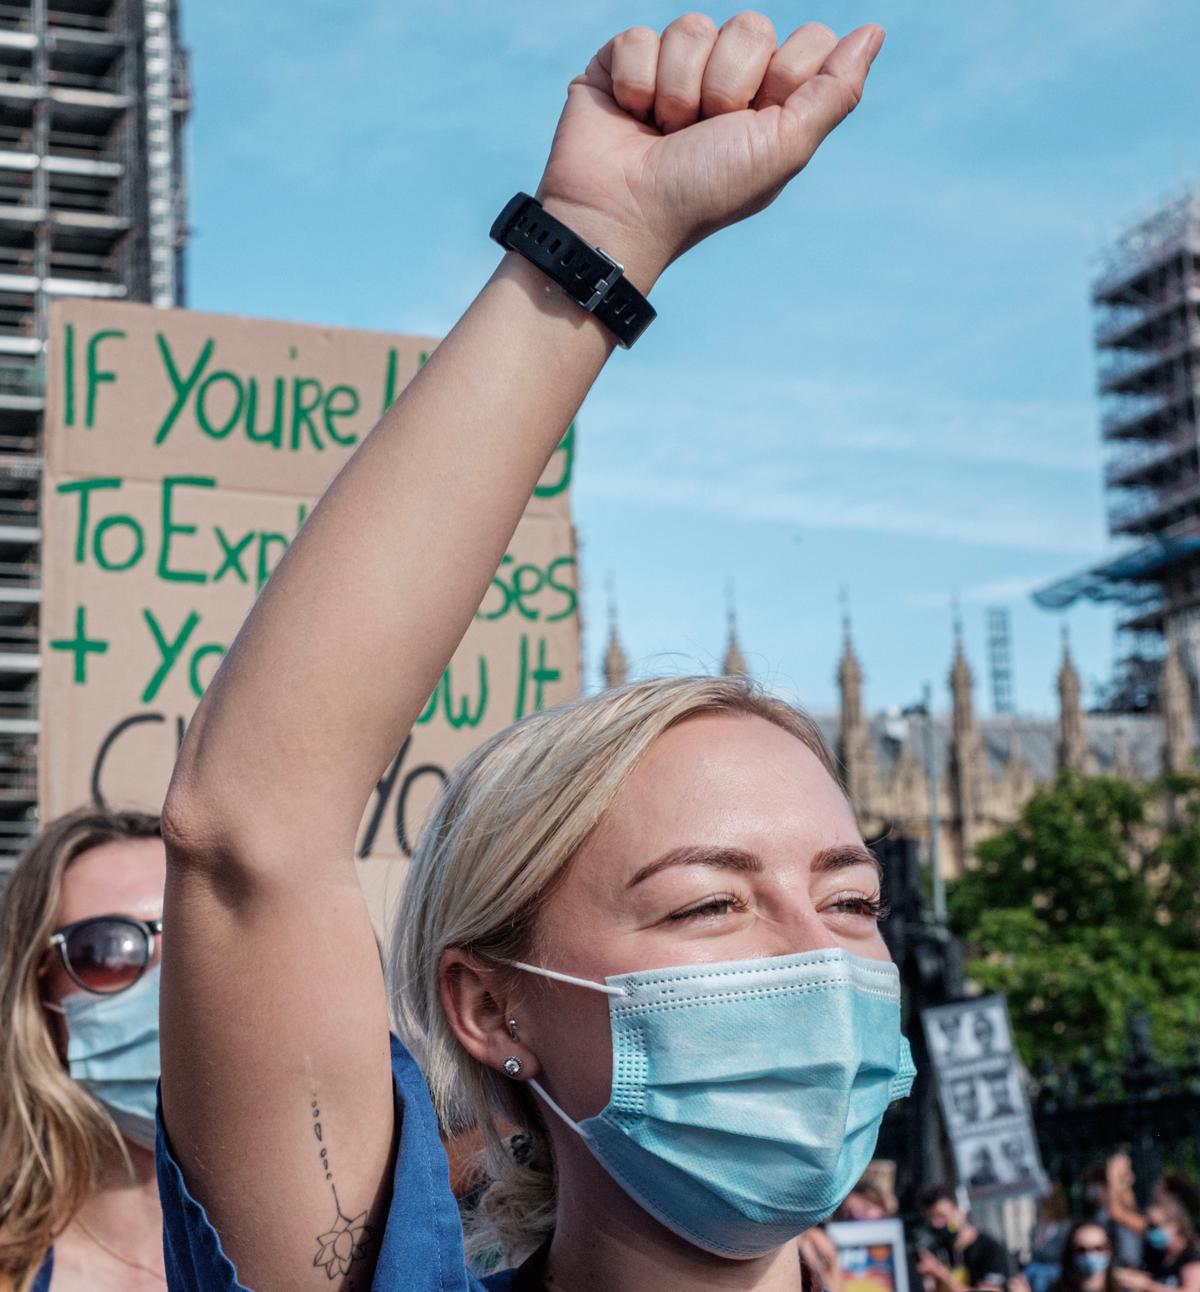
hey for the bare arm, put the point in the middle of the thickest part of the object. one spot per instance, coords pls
(274, 1015)
(1140, 1281)
(1122, 1205)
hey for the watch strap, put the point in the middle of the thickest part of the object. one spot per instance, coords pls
(588, 275)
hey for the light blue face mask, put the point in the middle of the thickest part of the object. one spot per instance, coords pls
(1091, 1263)
(746, 1096)
(112, 1049)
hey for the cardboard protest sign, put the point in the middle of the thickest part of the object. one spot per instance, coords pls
(183, 452)
(983, 1100)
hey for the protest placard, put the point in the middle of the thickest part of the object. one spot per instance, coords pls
(983, 1100)
(872, 1254)
(183, 452)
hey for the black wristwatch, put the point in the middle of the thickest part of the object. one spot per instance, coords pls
(589, 276)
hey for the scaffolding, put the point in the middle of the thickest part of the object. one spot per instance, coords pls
(999, 629)
(1147, 333)
(94, 95)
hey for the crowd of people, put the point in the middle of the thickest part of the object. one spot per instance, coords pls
(1114, 1246)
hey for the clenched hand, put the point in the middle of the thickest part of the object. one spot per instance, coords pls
(665, 139)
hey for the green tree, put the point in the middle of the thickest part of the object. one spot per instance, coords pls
(1089, 904)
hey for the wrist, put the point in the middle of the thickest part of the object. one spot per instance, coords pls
(642, 260)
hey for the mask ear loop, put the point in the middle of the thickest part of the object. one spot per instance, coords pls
(570, 1121)
(574, 982)
(569, 978)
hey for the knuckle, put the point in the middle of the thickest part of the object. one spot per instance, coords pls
(851, 96)
(634, 89)
(695, 26)
(750, 23)
(817, 31)
(672, 107)
(635, 37)
(718, 100)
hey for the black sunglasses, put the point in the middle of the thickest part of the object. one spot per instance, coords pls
(105, 954)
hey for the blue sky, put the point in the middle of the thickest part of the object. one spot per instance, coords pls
(885, 382)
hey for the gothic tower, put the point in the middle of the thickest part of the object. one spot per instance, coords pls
(734, 663)
(616, 666)
(967, 769)
(855, 749)
(1072, 744)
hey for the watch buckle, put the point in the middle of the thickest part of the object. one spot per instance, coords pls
(605, 284)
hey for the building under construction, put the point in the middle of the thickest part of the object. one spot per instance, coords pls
(1147, 300)
(93, 99)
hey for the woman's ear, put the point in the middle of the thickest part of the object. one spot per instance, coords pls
(479, 1011)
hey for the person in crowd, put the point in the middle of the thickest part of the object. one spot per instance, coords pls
(1109, 1187)
(1171, 1258)
(643, 927)
(80, 921)
(1173, 1187)
(1087, 1260)
(1047, 1239)
(960, 1256)
(864, 1202)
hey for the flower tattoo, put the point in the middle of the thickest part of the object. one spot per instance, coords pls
(350, 1237)
(343, 1244)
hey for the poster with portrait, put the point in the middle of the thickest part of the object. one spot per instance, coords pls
(982, 1097)
(872, 1254)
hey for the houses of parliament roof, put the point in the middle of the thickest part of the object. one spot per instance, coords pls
(986, 767)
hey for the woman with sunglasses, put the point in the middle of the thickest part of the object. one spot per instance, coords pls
(643, 927)
(1087, 1264)
(80, 922)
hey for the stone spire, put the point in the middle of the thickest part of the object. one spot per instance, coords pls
(1072, 743)
(849, 677)
(856, 751)
(734, 664)
(1175, 703)
(962, 683)
(616, 666)
(967, 770)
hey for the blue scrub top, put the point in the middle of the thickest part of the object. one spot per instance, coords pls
(422, 1246)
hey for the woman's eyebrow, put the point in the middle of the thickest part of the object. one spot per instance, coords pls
(691, 855)
(842, 857)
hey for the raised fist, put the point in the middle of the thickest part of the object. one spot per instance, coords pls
(665, 139)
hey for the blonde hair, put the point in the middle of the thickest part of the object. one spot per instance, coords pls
(498, 842)
(56, 1140)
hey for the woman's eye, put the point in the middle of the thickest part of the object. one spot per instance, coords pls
(711, 908)
(868, 908)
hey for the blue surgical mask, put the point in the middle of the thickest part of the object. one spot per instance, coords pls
(747, 1096)
(112, 1050)
(1090, 1263)
(1158, 1238)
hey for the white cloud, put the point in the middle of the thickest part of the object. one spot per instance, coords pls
(815, 453)
(790, 416)
(1017, 587)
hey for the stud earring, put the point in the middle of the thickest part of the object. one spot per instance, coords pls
(512, 1028)
(512, 1065)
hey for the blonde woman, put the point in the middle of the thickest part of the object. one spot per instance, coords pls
(643, 927)
(80, 922)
